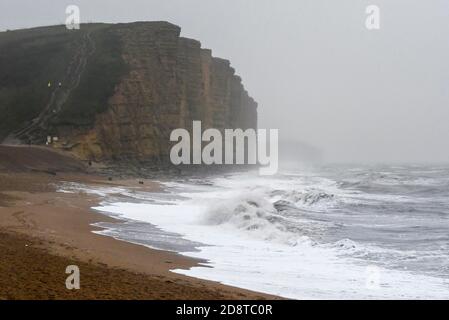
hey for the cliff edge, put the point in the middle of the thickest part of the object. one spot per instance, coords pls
(114, 91)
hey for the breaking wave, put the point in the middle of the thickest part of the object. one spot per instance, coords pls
(303, 231)
(255, 215)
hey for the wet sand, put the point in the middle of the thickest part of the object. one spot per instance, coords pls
(43, 231)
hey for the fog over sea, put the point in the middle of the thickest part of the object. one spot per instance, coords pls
(329, 232)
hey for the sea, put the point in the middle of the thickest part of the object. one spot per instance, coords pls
(315, 232)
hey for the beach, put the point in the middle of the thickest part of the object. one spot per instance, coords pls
(42, 232)
(351, 232)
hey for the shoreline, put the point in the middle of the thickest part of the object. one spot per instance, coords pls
(59, 226)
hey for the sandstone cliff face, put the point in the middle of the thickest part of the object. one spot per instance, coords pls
(170, 82)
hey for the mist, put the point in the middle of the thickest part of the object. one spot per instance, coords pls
(319, 75)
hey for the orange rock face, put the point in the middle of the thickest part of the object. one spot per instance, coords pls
(171, 81)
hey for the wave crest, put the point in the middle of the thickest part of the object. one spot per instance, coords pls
(254, 214)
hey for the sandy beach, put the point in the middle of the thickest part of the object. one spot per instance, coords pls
(43, 231)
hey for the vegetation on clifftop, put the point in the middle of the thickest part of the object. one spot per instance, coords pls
(31, 59)
(104, 71)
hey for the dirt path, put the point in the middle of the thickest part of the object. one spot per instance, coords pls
(34, 133)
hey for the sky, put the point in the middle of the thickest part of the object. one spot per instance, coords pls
(319, 75)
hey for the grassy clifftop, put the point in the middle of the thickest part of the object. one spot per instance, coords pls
(33, 63)
(114, 91)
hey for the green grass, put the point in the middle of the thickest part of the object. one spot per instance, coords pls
(104, 71)
(31, 58)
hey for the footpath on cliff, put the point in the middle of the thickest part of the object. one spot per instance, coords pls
(35, 131)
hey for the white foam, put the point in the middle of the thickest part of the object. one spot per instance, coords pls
(268, 258)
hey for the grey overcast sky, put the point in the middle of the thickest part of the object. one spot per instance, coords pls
(318, 74)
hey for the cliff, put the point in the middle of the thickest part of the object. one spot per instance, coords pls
(115, 92)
